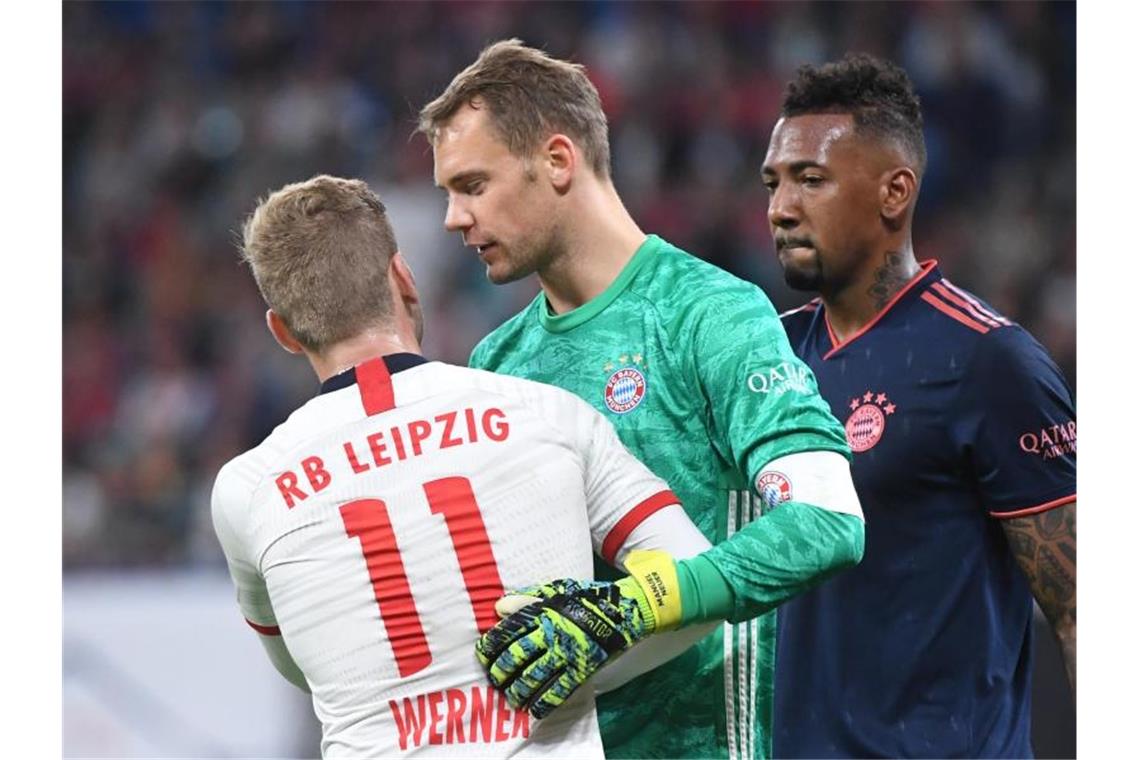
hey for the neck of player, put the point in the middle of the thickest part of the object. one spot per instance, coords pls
(599, 239)
(860, 299)
(370, 344)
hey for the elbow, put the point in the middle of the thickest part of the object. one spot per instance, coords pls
(857, 543)
(848, 543)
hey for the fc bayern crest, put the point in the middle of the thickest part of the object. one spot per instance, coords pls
(624, 390)
(774, 488)
(868, 420)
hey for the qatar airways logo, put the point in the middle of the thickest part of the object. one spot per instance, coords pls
(778, 380)
(1050, 442)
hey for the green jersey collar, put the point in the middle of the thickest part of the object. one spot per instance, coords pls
(557, 323)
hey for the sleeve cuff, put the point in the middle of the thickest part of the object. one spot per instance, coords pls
(705, 594)
(1034, 510)
(615, 539)
(264, 630)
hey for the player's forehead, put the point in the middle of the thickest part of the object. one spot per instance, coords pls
(813, 138)
(465, 143)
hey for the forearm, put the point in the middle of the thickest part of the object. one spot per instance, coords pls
(541, 652)
(1066, 633)
(668, 530)
(1045, 547)
(769, 561)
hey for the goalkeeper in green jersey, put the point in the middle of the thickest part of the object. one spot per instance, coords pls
(692, 367)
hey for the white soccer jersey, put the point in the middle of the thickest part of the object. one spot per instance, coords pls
(375, 529)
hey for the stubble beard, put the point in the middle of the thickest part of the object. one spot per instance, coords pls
(514, 264)
(804, 276)
(525, 257)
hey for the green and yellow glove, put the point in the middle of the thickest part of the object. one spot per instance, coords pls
(539, 654)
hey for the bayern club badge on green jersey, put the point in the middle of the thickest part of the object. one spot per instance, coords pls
(625, 387)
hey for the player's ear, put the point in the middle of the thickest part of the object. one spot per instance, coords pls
(403, 284)
(897, 193)
(402, 280)
(560, 160)
(281, 333)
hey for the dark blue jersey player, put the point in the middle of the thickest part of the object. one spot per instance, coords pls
(963, 437)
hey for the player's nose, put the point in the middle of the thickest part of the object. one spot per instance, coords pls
(783, 212)
(458, 217)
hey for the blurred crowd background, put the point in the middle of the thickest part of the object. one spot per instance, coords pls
(179, 116)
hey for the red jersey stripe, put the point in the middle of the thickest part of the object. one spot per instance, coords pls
(835, 341)
(977, 304)
(953, 313)
(264, 630)
(1034, 510)
(634, 517)
(375, 386)
(923, 270)
(957, 300)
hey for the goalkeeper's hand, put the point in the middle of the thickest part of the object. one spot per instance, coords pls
(540, 654)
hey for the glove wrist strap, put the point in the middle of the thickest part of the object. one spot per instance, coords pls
(656, 575)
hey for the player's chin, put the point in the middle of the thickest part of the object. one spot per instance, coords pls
(801, 268)
(502, 272)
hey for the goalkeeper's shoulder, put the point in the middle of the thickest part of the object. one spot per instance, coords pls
(500, 347)
(703, 308)
(685, 284)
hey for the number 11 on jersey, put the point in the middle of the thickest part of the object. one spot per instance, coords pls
(368, 521)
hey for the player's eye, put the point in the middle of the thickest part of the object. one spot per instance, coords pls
(770, 184)
(812, 180)
(475, 188)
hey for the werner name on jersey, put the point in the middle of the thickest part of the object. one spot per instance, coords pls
(370, 535)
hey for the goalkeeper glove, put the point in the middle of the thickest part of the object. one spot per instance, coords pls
(540, 654)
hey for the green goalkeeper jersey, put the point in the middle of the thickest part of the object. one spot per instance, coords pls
(692, 367)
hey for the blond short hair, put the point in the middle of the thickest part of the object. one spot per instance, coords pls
(528, 96)
(319, 251)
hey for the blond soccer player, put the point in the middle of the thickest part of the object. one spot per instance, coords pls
(370, 535)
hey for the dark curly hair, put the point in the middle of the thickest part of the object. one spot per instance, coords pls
(877, 93)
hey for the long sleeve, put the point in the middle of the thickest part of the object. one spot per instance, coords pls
(771, 560)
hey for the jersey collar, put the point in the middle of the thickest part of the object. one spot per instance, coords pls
(394, 362)
(557, 323)
(928, 272)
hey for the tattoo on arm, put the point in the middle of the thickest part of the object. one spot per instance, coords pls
(1045, 547)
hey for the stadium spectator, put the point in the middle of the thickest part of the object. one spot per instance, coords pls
(170, 114)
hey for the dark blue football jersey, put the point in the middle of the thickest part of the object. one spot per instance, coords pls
(957, 419)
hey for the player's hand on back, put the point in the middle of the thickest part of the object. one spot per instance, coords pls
(542, 651)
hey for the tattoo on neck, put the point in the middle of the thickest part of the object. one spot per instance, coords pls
(889, 279)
